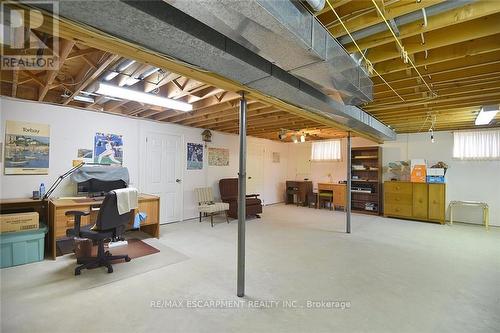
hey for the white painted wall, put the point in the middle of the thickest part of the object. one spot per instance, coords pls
(73, 128)
(466, 180)
(300, 165)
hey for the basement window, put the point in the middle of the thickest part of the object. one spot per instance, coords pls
(477, 145)
(326, 151)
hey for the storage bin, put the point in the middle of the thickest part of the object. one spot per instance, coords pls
(435, 179)
(18, 248)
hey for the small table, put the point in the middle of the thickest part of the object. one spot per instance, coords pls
(483, 205)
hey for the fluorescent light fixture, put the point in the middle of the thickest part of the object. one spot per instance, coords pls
(131, 81)
(486, 114)
(84, 99)
(126, 64)
(149, 72)
(110, 76)
(133, 95)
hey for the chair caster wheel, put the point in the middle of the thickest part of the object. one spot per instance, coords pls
(110, 269)
(77, 272)
(127, 259)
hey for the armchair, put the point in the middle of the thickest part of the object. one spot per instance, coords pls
(207, 205)
(229, 193)
(109, 225)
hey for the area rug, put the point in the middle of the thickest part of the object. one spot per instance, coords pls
(58, 277)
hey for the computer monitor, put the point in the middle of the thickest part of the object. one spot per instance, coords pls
(96, 188)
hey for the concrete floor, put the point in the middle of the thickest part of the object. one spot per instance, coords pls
(392, 275)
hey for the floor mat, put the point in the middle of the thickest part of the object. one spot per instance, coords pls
(52, 273)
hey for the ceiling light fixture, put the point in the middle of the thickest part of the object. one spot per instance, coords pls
(133, 95)
(431, 129)
(85, 99)
(131, 81)
(149, 72)
(486, 115)
(111, 75)
(126, 64)
(282, 134)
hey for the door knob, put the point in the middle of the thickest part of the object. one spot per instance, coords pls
(178, 180)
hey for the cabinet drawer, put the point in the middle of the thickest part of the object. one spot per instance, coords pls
(63, 222)
(397, 210)
(398, 187)
(398, 198)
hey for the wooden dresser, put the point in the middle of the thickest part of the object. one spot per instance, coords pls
(416, 201)
(59, 222)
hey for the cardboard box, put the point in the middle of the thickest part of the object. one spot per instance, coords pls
(418, 171)
(19, 222)
(435, 171)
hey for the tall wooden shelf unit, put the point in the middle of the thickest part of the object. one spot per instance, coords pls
(366, 180)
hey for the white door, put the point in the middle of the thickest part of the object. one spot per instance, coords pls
(255, 169)
(164, 174)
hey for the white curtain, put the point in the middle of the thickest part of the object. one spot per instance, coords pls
(477, 145)
(326, 151)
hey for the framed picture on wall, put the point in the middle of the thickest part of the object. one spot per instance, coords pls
(26, 148)
(194, 156)
(108, 148)
(276, 157)
(218, 156)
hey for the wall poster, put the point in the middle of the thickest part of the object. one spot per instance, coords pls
(108, 148)
(194, 156)
(26, 148)
(218, 156)
(276, 157)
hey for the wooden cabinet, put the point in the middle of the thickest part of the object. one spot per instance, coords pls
(397, 199)
(298, 190)
(418, 201)
(437, 205)
(339, 195)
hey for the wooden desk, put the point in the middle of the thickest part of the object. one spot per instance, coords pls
(299, 188)
(339, 193)
(23, 205)
(59, 222)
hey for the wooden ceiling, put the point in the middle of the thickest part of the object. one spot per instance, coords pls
(213, 108)
(457, 53)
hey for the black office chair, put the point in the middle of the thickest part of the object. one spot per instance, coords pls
(109, 225)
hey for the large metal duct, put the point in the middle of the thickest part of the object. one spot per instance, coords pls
(405, 19)
(163, 28)
(286, 34)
